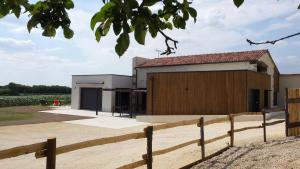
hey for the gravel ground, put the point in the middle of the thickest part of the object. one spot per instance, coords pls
(283, 154)
(115, 155)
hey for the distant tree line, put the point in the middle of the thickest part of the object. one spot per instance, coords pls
(14, 89)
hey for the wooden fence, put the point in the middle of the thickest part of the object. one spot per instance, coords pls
(49, 150)
(292, 112)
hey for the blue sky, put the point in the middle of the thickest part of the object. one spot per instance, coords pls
(33, 59)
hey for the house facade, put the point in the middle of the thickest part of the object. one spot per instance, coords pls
(216, 84)
(170, 83)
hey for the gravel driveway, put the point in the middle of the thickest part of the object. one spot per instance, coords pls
(281, 154)
(115, 155)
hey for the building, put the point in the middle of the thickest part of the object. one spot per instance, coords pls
(102, 91)
(214, 84)
(287, 81)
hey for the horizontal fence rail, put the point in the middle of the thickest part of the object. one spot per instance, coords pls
(22, 150)
(91, 143)
(48, 149)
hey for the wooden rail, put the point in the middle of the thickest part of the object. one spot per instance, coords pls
(214, 121)
(175, 124)
(48, 149)
(216, 138)
(247, 128)
(173, 148)
(274, 122)
(135, 164)
(91, 143)
(22, 150)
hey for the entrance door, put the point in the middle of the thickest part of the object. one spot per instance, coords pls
(90, 97)
(253, 100)
(266, 99)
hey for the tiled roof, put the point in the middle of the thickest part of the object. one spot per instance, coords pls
(245, 56)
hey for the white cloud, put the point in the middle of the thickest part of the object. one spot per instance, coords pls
(293, 17)
(220, 27)
(16, 42)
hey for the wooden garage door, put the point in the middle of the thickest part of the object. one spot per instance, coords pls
(194, 93)
(90, 97)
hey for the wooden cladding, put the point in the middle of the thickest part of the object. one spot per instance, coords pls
(293, 112)
(205, 93)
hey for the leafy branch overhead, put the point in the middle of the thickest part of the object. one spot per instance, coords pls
(132, 16)
(139, 17)
(49, 14)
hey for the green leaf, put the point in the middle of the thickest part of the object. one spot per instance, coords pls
(98, 34)
(106, 27)
(140, 33)
(101, 15)
(150, 2)
(179, 22)
(238, 3)
(69, 4)
(169, 25)
(68, 33)
(49, 31)
(4, 10)
(32, 23)
(17, 11)
(185, 14)
(122, 44)
(193, 13)
(117, 28)
(153, 30)
(132, 3)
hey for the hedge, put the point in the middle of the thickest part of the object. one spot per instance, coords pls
(6, 101)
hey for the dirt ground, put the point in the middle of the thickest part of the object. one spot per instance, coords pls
(282, 154)
(33, 116)
(115, 155)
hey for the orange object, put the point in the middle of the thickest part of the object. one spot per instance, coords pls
(56, 102)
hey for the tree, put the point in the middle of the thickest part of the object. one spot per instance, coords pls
(124, 16)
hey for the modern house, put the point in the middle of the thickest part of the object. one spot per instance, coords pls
(205, 84)
(99, 91)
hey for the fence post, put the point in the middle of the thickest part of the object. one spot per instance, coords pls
(231, 118)
(202, 144)
(264, 125)
(51, 153)
(286, 112)
(149, 134)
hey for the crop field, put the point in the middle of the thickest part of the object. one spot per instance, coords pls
(6, 101)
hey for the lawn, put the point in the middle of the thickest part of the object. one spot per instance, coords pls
(11, 115)
(19, 115)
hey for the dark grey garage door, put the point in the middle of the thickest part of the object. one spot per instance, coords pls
(90, 97)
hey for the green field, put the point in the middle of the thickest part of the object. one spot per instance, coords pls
(12, 116)
(7, 101)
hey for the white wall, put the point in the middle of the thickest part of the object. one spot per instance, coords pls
(90, 81)
(271, 70)
(142, 72)
(287, 81)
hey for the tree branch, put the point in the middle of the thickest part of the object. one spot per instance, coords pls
(272, 41)
(169, 49)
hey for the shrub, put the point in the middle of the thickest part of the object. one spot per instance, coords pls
(6, 101)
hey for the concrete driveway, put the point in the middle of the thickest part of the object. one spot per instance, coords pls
(103, 119)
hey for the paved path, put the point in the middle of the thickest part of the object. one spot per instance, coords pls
(104, 119)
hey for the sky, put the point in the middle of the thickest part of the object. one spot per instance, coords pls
(221, 27)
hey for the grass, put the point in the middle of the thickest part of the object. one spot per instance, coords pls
(19, 113)
(13, 116)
